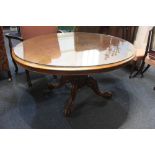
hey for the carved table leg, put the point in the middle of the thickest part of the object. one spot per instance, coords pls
(61, 83)
(69, 106)
(9, 76)
(92, 83)
(28, 78)
(78, 82)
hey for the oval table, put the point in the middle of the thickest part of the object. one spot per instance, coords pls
(74, 56)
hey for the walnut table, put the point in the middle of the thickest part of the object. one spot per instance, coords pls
(74, 56)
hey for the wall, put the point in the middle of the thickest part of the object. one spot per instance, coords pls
(142, 36)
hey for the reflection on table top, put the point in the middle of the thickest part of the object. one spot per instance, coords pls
(74, 50)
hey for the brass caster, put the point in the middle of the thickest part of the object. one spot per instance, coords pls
(9, 79)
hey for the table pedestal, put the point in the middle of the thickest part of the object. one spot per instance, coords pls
(78, 82)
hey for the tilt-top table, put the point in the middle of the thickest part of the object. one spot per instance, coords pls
(74, 56)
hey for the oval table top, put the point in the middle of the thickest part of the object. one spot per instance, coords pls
(73, 53)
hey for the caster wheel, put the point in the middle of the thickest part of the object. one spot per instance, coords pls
(29, 85)
(16, 71)
(10, 79)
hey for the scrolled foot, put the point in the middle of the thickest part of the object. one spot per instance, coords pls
(60, 84)
(68, 110)
(130, 76)
(107, 95)
(92, 83)
(51, 86)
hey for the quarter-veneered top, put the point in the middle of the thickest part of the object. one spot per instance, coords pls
(73, 52)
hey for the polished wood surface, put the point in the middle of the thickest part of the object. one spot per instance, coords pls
(73, 53)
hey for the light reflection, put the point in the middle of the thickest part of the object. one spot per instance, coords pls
(66, 42)
(90, 57)
(19, 50)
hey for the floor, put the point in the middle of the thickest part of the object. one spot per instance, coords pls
(131, 107)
